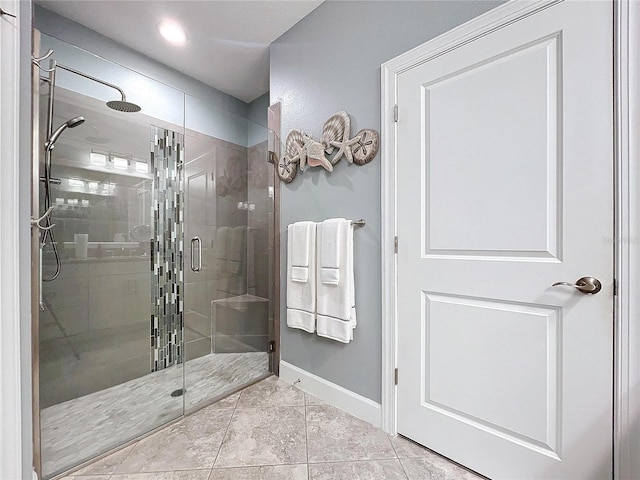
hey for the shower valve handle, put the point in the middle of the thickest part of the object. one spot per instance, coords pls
(55, 181)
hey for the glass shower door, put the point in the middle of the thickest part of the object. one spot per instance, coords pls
(110, 337)
(227, 320)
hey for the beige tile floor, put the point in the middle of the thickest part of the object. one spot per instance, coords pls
(272, 431)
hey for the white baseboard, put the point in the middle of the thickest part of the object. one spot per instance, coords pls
(333, 394)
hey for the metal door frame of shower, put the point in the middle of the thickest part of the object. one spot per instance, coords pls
(274, 124)
(35, 257)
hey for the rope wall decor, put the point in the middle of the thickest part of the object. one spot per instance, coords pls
(302, 151)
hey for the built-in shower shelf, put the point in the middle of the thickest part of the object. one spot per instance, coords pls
(238, 302)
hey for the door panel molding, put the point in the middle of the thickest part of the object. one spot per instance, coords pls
(485, 24)
(627, 205)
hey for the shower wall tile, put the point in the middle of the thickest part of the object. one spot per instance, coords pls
(257, 324)
(197, 348)
(118, 266)
(129, 369)
(229, 322)
(249, 318)
(198, 296)
(196, 326)
(71, 321)
(83, 382)
(166, 327)
(240, 343)
(191, 335)
(65, 291)
(132, 292)
(104, 357)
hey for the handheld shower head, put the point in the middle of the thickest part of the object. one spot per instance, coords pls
(74, 122)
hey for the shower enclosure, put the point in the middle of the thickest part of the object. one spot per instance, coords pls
(156, 256)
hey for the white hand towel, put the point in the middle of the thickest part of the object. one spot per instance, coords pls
(336, 317)
(301, 294)
(330, 250)
(303, 236)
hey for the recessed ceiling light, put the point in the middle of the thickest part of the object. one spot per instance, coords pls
(172, 32)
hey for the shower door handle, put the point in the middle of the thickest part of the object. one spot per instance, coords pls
(196, 267)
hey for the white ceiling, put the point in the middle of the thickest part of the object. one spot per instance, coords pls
(228, 41)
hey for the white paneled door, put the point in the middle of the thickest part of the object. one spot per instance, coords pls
(505, 187)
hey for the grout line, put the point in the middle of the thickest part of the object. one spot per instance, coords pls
(235, 467)
(401, 464)
(306, 435)
(225, 433)
(133, 447)
(356, 460)
(392, 446)
(262, 407)
(304, 401)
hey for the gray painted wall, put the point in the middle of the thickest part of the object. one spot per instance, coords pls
(330, 61)
(257, 111)
(257, 116)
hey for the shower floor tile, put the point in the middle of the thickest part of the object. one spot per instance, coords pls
(273, 432)
(84, 427)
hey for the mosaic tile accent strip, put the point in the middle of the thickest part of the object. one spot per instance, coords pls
(167, 153)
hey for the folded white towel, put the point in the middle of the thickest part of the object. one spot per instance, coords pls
(300, 274)
(301, 278)
(330, 250)
(302, 235)
(336, 317)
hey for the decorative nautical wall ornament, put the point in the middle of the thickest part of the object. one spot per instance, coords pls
(302, 150)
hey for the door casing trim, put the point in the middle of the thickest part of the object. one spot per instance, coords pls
(626, 439)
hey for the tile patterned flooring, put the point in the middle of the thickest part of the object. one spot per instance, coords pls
(272, 431)
(85, 426)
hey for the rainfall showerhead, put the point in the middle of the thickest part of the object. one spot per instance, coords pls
(123, 106)
(118, 105)
(74, 122)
